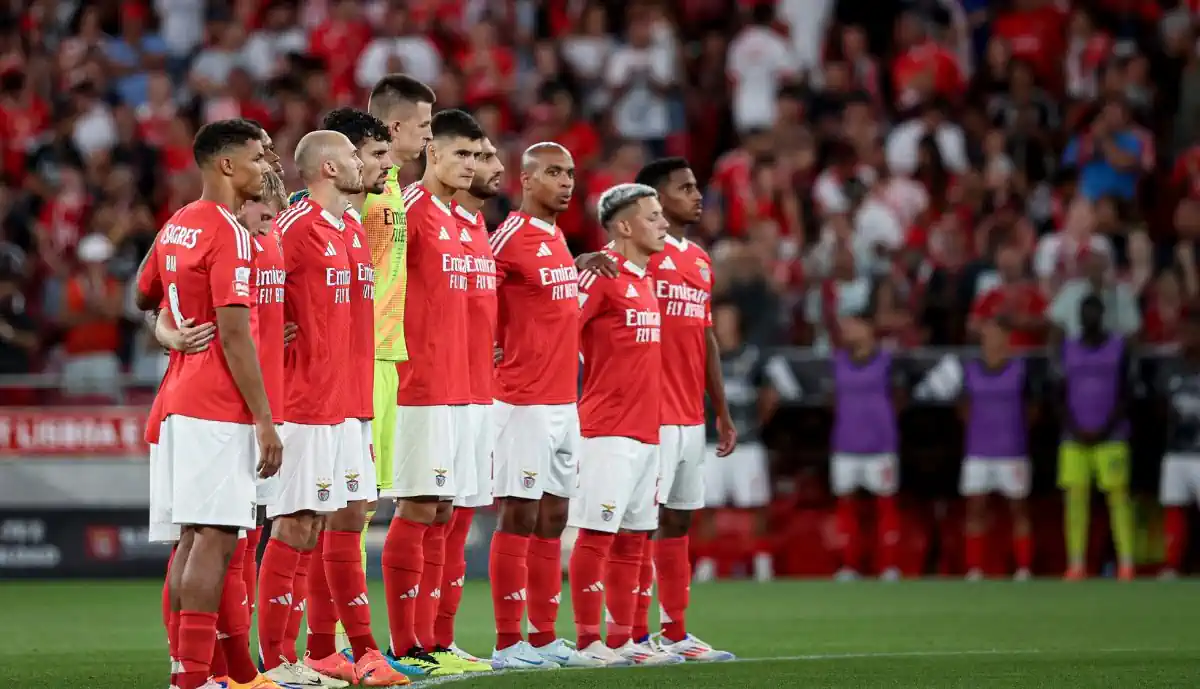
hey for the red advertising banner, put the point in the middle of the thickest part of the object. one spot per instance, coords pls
(73, 433)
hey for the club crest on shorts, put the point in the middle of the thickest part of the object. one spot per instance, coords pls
(606, 512)
(529, 479)
(439, 476)
(352, 481)
(323, 490)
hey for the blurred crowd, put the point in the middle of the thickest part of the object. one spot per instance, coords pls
(946, 160)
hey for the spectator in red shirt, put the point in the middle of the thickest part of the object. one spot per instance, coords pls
(1164, 310)
(91, 323)
(339, 41)
(924, 69)
(1016, 299)
(23, 117)
(1034, 31)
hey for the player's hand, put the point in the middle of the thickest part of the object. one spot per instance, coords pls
(597, 262)
(726, 436)
(196, 338)
(270, 449)
(497, 356)
(289, 333)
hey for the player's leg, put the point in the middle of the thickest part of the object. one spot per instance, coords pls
(717, 494)
(1015, 482)
(480, 444)
(750, 489)
(383, 430)
(680, 501)
(606, 478)
(1075, 480)
(1174, 494)
(233, 624)
(974, 485)
(545, 547)
(524, 444)
(305, 494)
(162, 530)
(883, 481)
(621, 588)
(1112, 476)
(212, 498)
(845, 478)
(422, 450)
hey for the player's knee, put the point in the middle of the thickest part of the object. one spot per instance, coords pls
(296, 530)
(419, 511)
(444, 513)
(673, 523)
(976, 512)
(518, 516)
(551, 516)
(349, 518)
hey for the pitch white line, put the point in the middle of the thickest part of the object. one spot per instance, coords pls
(811, 657)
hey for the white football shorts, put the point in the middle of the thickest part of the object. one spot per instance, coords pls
(877, 474)
(1008, 476)
(354, 468)
(536, 450)
(212, 466)
(1180, 480)
(682, 460)
(306, 480)
(618, 481)
(426, 450)
(739, 480)
(482, 443)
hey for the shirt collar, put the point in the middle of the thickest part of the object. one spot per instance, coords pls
(632, 267)
(467, 215)
(541, 225)
(438, 202)
(354, 214)
(332, 219)
(680, 243)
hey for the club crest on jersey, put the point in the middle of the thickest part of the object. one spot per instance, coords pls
(439, 476)
(606, 512)
(529, 479)
(704, 272)
(323, 490)
(352, 481)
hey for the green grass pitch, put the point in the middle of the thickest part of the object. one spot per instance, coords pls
(927, 634)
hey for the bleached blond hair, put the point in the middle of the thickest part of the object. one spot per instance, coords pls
(618, 198)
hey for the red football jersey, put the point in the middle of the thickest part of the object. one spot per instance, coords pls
(266, 318)
(481, 304)
(537, 319)
(682, 274)
(360, 359)
(317, 300)
(204, 258)
(435, 310)
(620, 343)
(157, 410)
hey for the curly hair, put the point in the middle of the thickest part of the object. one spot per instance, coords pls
(274, 194)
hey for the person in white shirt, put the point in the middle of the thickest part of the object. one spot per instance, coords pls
(415, 53)
(639, 76)
(265, 50)
(904, 140)
(758, 63)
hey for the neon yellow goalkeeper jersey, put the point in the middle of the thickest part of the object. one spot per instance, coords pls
(387, 238)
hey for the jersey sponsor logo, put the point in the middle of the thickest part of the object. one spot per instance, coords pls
(339, 281)
(241, 281)
(543, 250)
(563, 281)
(179, 235)
(647, 323)
(457, 268)
(682, 300)
(443, 234)
(484, 270)
(366, 277)
(631, 292)
(667, 264)
(270, 285)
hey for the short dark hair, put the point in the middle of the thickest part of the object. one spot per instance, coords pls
(395, 89)
(455, 123)
(215, 138)
(358, 125)
(656, 172)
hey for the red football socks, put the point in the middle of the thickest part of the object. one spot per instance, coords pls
(348, 584)
(641, 611)
(299, 605)
(431, 584)
(848, 525)
(1175, 531)
(1023, 551)
(888, 519)
(403, 563)
(170, 616)
(275, 597)
(233, 623)
(218, 667)
(974, 545)
(322, 613)
(544, 589)
(250, 563)
(621, 585)
(509, 574)
(197, 640)
(453, 574)
(674, 584)
(585, 575)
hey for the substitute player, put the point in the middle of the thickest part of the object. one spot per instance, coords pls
(318, 286)
(405, 106)
(691, 360)
(537, 424)
(997, 403)
(481, 322)
(619, 411)
(215, 431)
(1179, 488)
(430, 449)
(1095, 392)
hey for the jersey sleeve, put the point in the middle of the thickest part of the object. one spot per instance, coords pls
(591, 296)
(229, 260)
(149, 281)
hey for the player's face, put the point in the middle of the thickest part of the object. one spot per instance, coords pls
(454, 161)
(410, 131)
(648, 226)
(488, 172)
(349, 177)
(681, 198)
(256, 216)
(855, 330)
(377, 161)
(247, 168)
(552, 182)
(273, 159)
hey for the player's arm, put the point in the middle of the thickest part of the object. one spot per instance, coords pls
(714, 382)
(186, 338)
(591, 296)
(149, 293)
(229, 283)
